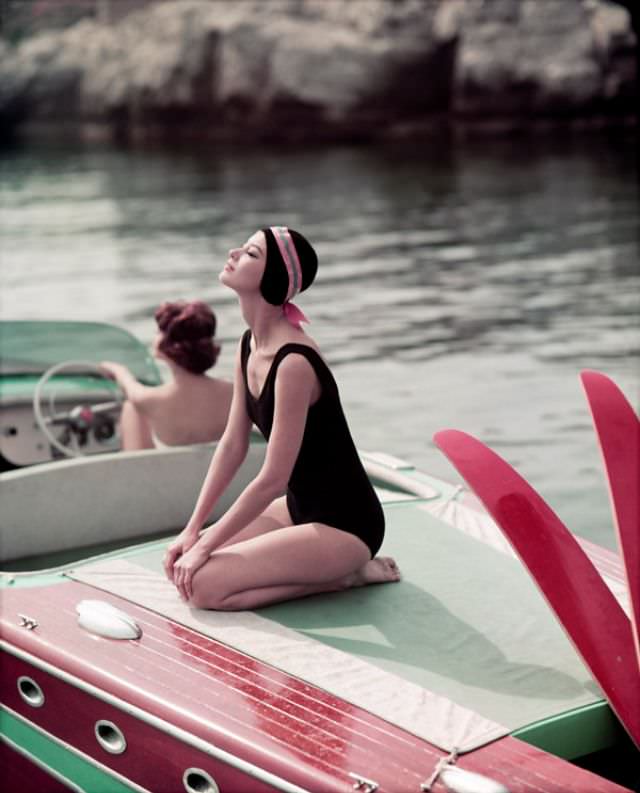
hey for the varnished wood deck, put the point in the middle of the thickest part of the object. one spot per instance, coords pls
(227, 700)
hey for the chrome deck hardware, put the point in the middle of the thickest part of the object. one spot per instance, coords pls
(390, 461)
(27, 622)
(30, 692)
(195, 780)
(458, 780)
(425, 787)
(110, 737)
(363, 784)
(103, 619)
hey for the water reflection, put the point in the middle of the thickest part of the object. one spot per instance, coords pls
(459, 286)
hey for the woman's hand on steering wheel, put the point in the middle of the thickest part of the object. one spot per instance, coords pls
(112, 370)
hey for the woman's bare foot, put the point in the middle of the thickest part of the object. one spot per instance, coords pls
(381, 570)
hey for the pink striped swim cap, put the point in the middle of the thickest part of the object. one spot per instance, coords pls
(290, 268)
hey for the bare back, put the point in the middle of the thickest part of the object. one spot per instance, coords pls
(192, 410)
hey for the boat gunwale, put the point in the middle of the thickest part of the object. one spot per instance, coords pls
(151, 719)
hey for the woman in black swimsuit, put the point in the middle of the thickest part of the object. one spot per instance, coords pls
(310, 521)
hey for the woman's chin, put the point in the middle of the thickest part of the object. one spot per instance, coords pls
(226, 279)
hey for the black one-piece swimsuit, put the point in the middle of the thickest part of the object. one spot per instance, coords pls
(328, 483)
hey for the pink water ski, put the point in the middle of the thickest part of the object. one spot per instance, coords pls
(589, 613)
(618, 430)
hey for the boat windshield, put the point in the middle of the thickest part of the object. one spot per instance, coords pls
(31, 347)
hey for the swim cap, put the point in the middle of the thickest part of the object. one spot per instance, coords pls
(290, 268)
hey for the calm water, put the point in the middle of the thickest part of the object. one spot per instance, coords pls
(459, 287)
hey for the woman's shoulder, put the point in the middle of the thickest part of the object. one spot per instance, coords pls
(151, 398)
(295, 339)
(294, 357)
(217, 384)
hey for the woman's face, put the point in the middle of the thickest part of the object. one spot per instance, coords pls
(245, 266)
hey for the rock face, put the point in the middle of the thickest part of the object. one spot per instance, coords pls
(514, 59)
(289, 69)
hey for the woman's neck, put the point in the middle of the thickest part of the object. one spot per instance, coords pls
(264, 320)
(179, 374)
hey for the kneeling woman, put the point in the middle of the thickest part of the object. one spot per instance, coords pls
(310, 521)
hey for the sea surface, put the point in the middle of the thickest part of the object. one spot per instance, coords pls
(460, 285)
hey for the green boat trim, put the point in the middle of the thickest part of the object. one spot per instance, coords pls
(573, 734)
(32, 347)
(45, 571)
(68, 765)
(19, 388)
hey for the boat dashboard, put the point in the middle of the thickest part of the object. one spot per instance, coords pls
(24, 442)
(55, 400)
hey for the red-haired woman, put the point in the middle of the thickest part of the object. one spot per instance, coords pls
(191, 407)
(310, 521)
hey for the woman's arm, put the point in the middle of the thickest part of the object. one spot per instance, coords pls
(228, 456)
(142, 396)
(294, 387)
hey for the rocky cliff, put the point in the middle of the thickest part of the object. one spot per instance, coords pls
(329, 69)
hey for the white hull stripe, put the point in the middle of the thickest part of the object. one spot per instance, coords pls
(154, 721)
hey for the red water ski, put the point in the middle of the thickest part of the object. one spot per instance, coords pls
(589, 613)
(618, 431)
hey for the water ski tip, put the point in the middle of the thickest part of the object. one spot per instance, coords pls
(618, 431)
(564, 574)
(608, 404)
(456, 440)
(593, 377)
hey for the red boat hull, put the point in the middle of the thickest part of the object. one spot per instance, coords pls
(20, 775)
(183, 700)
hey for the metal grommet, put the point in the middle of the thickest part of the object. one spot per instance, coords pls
(110, 737)
(30, 692)
(195, 780)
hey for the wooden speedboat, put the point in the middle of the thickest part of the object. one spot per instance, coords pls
(457, 678)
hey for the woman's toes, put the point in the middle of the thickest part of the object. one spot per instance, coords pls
(379, 571)
(392, 569)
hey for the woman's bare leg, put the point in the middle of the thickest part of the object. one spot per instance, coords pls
(380, 570)
(275, 516)
(276, 564)
(135, 432)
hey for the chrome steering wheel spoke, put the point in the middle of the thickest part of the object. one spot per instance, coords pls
(77, 421)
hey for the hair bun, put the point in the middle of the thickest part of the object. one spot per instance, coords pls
(188, 329)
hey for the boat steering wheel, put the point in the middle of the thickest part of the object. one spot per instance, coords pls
(81, 418)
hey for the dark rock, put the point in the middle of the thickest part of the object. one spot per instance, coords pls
(292, 69)
(540, 58)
